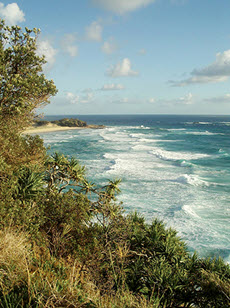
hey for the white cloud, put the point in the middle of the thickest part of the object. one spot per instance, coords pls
(72, 98)
(84, 99)
(217, 71)
(187, 99)
(122, 6)
(109, 46)
(45, 49)
(152, 100)
(122, 68)
(94, 31)
(68, 46)
(11, 13)
(111, 87)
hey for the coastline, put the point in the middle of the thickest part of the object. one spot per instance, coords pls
(53, 128)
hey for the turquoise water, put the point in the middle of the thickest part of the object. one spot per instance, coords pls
(176, 168)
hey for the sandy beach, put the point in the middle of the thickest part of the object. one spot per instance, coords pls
(53, 127)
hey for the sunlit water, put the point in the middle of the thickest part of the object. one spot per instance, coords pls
(176, 168)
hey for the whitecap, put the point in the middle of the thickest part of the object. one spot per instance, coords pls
(115, 136)
(223, 152)
(144, 127)
(136, 135)
(141, 147)
(174, 156)
(185, 163)
(225, 123)
(176, 129)
(148, 140)
(188, 210)
(206, 133)
(191, 179)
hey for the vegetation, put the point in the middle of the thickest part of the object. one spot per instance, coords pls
(70, 122)
(63, 122)
(64, 242)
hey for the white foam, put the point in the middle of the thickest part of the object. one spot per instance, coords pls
(137, 165)
(148, 140)
(188, 210)
(176, 129)
(206, 133)
(226, 123)
(197, 123)
(174, 156)
(115, 136)
(223, 152)
(185, 163)
(191, 179)
(136, 135)
(141, 147)
(144, 127)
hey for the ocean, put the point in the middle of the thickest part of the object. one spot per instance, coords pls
(174, 168)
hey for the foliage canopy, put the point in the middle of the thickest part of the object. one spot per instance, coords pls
(23, 88)
(23, 85)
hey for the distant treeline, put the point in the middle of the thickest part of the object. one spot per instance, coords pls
(63, 122)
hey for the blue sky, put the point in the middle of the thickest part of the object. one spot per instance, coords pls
(132, 56)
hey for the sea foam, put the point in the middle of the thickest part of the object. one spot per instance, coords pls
(191, 179)
(174, 156)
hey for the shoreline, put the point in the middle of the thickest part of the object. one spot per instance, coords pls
(53, 128)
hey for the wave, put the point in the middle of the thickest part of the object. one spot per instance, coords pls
(175, 156)
(141, 147)
(135, 165)
(185, 163)
(114, 136)
(176, 129)
(199, 123)
(136, 135)
(144, 127)
(149, 140)
(223, 153)
(206, 133)
(191, 179)
(134, 127)
(188, 210)
(57, 138)
(204, 123)
(225, 123)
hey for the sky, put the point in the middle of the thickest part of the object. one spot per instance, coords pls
(132, 56)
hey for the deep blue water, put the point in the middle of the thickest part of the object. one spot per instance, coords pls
(176, 168)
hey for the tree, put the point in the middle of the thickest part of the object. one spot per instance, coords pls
(23, 87)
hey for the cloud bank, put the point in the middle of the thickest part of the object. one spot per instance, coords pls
(219, 99)
(217, 71)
